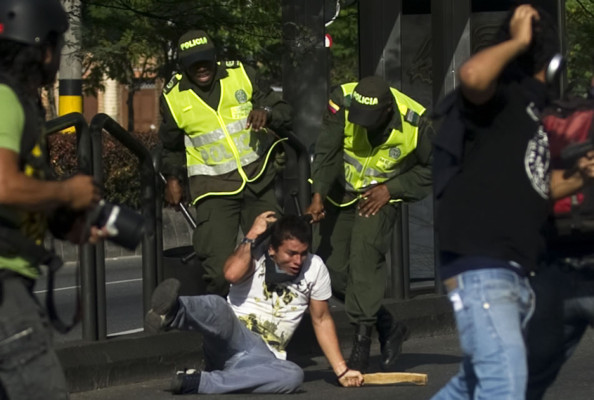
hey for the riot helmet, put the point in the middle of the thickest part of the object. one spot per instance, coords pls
(31, 21)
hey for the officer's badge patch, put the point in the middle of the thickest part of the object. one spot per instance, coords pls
(172, 82)
(241, 96)
(412, 117)
(333, 107)
(395, 153)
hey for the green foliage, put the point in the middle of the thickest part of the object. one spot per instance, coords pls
(119, 45)
(580, 44)
(136, 39)
(344, 61)
(121, 172)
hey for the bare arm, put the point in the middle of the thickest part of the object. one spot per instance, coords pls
(325, 331)
(22, 191)
(478, 75)
(563, 185)
(240, 263)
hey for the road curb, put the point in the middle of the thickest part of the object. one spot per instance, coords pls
(139, 357)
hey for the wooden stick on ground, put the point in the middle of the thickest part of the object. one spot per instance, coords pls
(386, 378)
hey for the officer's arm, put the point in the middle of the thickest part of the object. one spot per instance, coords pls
(280, 114)
(328, 161)
(415, 183)
(173, 156)
(240, 264)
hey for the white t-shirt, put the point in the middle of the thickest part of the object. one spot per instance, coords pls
(275, 314)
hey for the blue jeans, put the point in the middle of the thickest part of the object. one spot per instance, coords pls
(240, 359)
(492, 307)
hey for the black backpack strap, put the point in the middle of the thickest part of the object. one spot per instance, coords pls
(13, 242)
(50, 306)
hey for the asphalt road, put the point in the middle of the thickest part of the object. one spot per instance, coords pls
(123, 292)
(438, 357)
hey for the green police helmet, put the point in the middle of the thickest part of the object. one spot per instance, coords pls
(31, 21)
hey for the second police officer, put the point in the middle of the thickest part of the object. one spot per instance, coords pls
(373, 153)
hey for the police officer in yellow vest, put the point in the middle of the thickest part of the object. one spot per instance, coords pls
(219, 131)
(374, 152)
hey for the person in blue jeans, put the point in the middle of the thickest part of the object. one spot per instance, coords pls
(245, 336)
(493, 187)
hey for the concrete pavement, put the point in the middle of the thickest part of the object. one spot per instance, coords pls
(437, 356)
(140, 357)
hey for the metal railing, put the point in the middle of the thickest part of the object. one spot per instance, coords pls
(99, 124)
(88, 280)
(92, 257)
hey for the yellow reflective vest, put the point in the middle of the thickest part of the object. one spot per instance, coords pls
(365, 166)
(217, 141)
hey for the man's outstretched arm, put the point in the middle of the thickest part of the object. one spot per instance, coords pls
(325, 331)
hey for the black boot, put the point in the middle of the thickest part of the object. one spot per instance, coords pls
(359, 359)
(391, 336)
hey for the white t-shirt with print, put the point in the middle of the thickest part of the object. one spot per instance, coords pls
(275, 313)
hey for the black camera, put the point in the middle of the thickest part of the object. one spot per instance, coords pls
(125, 227)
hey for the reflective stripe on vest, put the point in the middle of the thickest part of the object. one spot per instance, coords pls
(365, 166)
(217, 141)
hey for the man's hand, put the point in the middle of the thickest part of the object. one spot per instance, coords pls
(240, 264)
(351, 379)
(82, 192)
(79, 235)
(261, 223)
(257, 119)
(173, 192)
(374, 199)
(316, 208)
(520, 26)
(586, 166)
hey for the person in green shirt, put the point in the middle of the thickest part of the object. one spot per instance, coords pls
(31, 38)
(220, 131)
(374, 152)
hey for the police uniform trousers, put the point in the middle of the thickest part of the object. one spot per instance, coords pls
(29, 366)
(354, 249)
(218, 220)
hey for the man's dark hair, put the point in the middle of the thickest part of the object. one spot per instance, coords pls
(545, 42)
(290, 227)
(22, 63)
(25, 64)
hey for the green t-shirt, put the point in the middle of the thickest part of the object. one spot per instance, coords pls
(12, 117)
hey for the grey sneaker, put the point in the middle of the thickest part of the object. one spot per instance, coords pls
(164, 306)
(185, 382)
